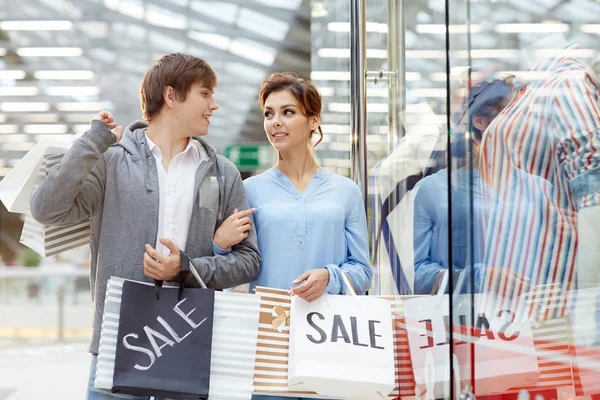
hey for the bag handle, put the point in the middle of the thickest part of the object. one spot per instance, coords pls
(349, 287)
(186, 267)
(442, 281)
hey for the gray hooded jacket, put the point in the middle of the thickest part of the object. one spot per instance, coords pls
(116, 185)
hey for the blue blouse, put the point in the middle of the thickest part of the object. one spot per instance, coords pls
(324, 227)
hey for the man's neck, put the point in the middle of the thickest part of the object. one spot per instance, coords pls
(167, 137)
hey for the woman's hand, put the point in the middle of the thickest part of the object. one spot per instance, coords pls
(234, 229)
(315, 282)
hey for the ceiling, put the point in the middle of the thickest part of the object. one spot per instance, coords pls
(499, 31)
(62, 61)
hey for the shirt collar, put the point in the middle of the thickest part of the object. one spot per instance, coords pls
(190, 148)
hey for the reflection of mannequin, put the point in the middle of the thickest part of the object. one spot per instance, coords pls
(542, 158)
(394, 178)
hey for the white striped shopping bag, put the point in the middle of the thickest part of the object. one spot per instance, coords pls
(47, 240)
(233, 347)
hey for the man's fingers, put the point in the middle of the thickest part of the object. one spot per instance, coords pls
(152, 252)
(170, 245)
(246, 228)
(105, 116)
(152, 263)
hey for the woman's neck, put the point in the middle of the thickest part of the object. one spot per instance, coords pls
(297, 165)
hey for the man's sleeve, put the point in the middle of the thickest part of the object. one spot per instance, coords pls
(73, 191)
(242, 264)
(577, 124)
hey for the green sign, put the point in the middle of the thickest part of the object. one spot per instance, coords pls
(251, 156)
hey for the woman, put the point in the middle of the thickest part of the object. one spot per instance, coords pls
(311, 223)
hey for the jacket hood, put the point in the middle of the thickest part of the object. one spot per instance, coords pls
(134, 137)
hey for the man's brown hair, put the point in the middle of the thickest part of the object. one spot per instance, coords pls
(178, 70)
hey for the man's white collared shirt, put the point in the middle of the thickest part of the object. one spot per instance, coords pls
(176, 188)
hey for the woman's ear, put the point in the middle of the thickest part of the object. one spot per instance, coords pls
(315, 122)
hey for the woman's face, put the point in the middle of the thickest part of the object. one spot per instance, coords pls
(287, 128)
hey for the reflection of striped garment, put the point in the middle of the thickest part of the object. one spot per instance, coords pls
(539, 158)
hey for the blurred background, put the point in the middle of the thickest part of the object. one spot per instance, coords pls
(62, 61)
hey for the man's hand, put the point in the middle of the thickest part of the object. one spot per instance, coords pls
(107, 118)
(234, 229)
(512, 282)
(159, 266)
(315, 282)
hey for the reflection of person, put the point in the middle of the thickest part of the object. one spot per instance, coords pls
(154, 193)
(311, 223)
(431, 214)
(542, 164)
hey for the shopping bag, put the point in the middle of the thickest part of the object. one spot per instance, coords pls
(48, 240)
(18, 185)
(585, 342)
(342, 346)
(164, 344)
(272, 353)
(504, 351)
(235, 325)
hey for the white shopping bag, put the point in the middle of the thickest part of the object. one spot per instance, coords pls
(235, 328)
(504, 351)
(342, 346)
(47, 240)
(18, 185)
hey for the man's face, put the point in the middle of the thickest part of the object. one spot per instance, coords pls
(195, 112)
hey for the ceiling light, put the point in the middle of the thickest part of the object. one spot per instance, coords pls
(12, 74)
(19, 91)
(330, 76)
(50, 51)
(45, 128)
(37, 118)
(22, 146)
(345, 27)
(428, 92)
(453, 29)
(64, 75)
(72, 91)
(212, 39)
(75, 118)
(36, 25)
(10, 129)
(14, 138)
(24, 107)
(590, 28)
(78, 106)
(532, 28)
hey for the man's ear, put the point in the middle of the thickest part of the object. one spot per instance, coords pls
(169, 96)
(480, 122)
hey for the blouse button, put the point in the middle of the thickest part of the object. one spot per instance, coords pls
(301, 241)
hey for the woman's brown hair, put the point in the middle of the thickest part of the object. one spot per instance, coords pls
(308, 97)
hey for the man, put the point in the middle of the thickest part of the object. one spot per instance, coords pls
(155, 193)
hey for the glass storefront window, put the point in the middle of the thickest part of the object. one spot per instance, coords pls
(482, 152)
